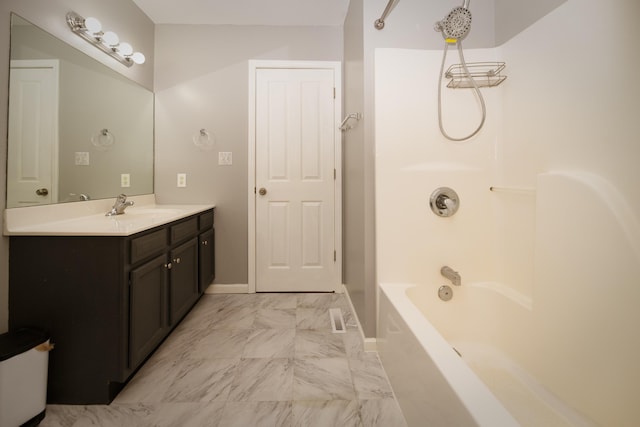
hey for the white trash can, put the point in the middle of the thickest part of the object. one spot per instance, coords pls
(24, 361)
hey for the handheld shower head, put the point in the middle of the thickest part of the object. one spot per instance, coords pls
(456, 24)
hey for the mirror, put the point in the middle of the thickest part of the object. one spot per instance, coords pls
(78, 130)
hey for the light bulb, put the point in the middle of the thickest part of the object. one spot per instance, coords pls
(125, 49)
(93, 25)
(110, 38)
(138, 58)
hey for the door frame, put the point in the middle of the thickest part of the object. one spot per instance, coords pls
(254, 66)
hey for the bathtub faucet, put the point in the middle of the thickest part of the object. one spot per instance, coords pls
(451, 274)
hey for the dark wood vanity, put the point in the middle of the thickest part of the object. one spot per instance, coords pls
(107, 301)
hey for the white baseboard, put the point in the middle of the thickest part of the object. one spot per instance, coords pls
(369, 344)
(227, 289)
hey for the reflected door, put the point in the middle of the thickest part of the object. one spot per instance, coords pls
(295, 180)
(32, 162)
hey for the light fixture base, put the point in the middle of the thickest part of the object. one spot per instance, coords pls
(77, 25)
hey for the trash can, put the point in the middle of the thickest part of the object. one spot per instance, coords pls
(24, 361)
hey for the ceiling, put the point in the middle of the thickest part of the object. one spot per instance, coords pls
(246, 12)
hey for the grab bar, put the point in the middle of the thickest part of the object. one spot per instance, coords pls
(343, 126)
(379, 24)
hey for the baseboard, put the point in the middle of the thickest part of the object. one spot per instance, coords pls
(369, 344)
(227, 289)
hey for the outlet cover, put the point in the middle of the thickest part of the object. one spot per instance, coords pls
(182, 180)
(82, 158)
(225, 158)
(125, 180)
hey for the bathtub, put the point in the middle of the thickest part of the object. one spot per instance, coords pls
(452, 367)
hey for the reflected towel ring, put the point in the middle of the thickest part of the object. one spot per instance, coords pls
(204, 139)
(103, 140)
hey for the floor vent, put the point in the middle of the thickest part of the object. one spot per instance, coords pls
(337, 321)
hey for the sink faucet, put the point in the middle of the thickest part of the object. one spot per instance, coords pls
(119, 206)
(451, 274)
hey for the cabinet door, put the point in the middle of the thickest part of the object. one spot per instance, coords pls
(206, 253)
(148, 309)
(183, 282)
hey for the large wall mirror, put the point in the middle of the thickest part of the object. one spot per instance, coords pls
(78, 130)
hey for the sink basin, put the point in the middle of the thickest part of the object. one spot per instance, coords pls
(152, 211)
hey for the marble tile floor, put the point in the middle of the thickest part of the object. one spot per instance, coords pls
(250, 360)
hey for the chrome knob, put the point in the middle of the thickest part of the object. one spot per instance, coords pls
(262, 191)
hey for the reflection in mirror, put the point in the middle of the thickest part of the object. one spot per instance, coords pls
(77, 129)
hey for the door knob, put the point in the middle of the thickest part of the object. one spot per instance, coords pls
(42, 191)
(262, 191)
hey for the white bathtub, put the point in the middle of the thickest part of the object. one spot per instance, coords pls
(452, 368)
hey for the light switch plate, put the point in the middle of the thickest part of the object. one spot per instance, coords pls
(125, 180)
(182, 180)
(82, 158)
(225, 158)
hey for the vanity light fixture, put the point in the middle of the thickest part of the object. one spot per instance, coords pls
(90, 29)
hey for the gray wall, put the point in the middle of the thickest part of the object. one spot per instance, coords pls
(514, 16)
(354, 236)
(202, 82)
(121, 16)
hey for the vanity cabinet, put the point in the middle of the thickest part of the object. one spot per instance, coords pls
(107, 301)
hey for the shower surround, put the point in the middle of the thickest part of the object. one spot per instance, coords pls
(559, 238)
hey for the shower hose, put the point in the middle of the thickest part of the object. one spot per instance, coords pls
(475, 86)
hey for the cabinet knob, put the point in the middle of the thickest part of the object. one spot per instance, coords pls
(176, 260)
(168, 266)
(42, 192)
(205, 242)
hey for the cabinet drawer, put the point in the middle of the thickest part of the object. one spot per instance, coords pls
(184, 230)
(206, 220)
(147, 245)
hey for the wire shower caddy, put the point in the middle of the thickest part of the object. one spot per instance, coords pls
(485, 74)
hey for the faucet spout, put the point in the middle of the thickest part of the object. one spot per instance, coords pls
(451, 274)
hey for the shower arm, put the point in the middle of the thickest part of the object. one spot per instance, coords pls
(379, 23)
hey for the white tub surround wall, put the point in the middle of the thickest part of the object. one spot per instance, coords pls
(568, 252)
(89, 219)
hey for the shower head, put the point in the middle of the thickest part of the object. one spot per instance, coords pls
(456, 25)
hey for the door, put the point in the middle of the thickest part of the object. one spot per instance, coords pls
(183, 280)
(295, 180)
(32, 163)
(148, 309)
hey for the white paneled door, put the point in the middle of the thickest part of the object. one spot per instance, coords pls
(32, 157)
(295, 177)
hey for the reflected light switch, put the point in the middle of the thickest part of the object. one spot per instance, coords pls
(82, 158)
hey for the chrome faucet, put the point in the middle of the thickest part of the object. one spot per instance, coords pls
(451, 274)
(119, 206)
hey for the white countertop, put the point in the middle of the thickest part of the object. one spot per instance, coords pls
(88, 218)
